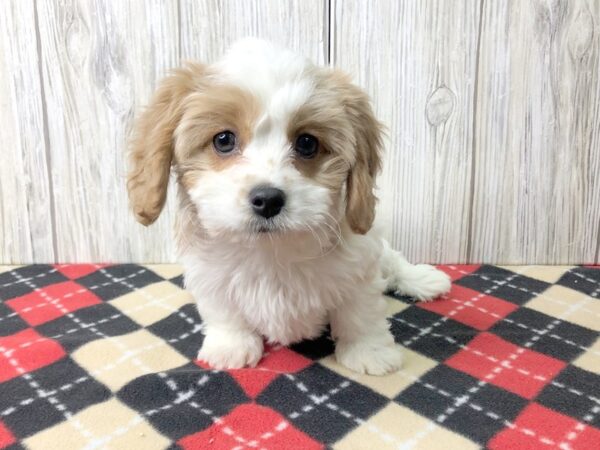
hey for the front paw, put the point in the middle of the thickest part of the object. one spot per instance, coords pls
(369, 358)
(425, 282)
(231, 349)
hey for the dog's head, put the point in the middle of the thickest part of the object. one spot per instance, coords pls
(261, 141)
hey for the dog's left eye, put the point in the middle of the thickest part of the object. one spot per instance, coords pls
(306, 146)
(224, 142)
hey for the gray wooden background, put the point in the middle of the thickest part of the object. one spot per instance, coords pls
(493, 109)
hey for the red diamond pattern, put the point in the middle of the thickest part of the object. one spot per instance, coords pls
(51, 302)
(471, 307)
(26, 351)
(276, 360)
(250, 426)
(538, 427)
(298, 397)
(6, 437)
(506, 365)
(74, 271)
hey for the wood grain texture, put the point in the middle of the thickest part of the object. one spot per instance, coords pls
(209, 27)
(493, 109)
(418, 61)
(536, 192)
(26, 223)
(98, 63)
(100, 60)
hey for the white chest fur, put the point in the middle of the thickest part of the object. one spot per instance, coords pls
(282, 290)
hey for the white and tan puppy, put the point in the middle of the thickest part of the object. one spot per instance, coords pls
(275, 160)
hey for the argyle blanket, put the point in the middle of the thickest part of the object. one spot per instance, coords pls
(103, 356)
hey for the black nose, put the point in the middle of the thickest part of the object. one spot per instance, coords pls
(267, 201)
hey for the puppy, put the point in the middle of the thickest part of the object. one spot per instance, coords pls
(275, 160)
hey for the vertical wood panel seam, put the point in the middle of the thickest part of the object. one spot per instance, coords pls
(597, 259)
(179, 32)
(327, 26)
(332, 35)
(469, 255)
(47, 151)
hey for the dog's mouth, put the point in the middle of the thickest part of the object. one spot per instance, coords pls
(263, 227)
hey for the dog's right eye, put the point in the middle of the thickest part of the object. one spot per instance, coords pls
(224, 142)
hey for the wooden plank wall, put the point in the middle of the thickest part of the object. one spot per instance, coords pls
(493, 110)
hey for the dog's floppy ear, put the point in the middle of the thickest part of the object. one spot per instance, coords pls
(368, 134)
(151, 149)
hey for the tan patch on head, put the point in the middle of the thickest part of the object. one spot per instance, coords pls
(323, 116)
(188, 109)
(339, 114)
(215, 108)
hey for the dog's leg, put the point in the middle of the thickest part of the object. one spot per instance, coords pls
(229, 342)
(420, 281)
(364, 342)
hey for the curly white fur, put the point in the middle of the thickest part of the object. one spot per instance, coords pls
(278, 290)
